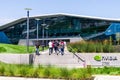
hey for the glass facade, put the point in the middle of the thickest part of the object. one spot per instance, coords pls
(56, 27)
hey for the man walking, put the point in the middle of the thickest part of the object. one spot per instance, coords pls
(37, 44)
(50, 44)
(56, 44)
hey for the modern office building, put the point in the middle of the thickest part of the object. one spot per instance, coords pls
(55, 26)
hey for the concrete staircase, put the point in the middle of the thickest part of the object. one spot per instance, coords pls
(66, 60)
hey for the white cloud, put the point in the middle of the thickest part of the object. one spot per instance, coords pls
(5, 21)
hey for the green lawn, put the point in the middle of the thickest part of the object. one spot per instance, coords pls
(9, 48)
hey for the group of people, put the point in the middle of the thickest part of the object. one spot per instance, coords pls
(56, 46)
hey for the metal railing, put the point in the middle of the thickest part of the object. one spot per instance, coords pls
(78, 57)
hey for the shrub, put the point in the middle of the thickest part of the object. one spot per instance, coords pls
(2, 70)
(91, 46)
(46, 72)
(10, 70)
(43, 72)
(2, 49)
(99, 47)
(64, 73)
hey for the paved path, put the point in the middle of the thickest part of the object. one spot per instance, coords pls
(97, 77)
(106, 77)
(22, 78)
(66, 60)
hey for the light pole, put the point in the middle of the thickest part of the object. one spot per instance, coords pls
(27, 41)
(43, 26)
(46, 28)
(37, 27)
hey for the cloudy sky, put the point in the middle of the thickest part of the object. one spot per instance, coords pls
(14, 9)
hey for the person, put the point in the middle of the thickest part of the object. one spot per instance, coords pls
(43, 45)
(37, 44)
(56, 44)
(62, 47)
(50, 44)
(65, 44)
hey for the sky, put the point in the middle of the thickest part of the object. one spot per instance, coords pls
(11, 10)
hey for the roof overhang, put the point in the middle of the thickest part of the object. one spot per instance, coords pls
(57, 15)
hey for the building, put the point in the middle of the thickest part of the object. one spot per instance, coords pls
(56, 26)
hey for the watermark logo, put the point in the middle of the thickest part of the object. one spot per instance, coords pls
(105, 58)
(98, 57)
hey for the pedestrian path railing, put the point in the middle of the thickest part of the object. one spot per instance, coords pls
(78, 57)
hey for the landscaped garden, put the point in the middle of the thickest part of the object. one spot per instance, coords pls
(105, 46)
(43, 72)
(55, 72)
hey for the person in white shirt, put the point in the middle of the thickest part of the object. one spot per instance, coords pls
(50, 44)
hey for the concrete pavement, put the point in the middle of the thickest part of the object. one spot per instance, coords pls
(106, 77)
(97, 77)
(22, 78)
(66, 60)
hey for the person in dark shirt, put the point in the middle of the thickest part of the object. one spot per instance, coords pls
(56, 44)
(37, 44)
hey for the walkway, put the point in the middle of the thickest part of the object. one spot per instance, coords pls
(97, 77)
(66, 60)
(106, 77)
(22, 78)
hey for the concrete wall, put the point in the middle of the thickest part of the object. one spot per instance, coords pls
(16, 58)
(32, 41)
(108, 59)
(23, 42)
(76, 39)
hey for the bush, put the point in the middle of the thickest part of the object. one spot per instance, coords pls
(64, 73)
(2, 49)
(90, 46)
(2, 70)
(43, 72)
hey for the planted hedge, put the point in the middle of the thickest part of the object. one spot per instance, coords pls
(55, 72)
(91, 47)
(45, 72)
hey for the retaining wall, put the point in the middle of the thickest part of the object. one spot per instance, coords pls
(17, 58)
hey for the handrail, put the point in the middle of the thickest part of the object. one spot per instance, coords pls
(77, 55)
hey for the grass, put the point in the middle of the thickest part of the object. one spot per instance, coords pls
(55, 72)
(106, 70)
(42, 72)
(91, 47)
(9, 48)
